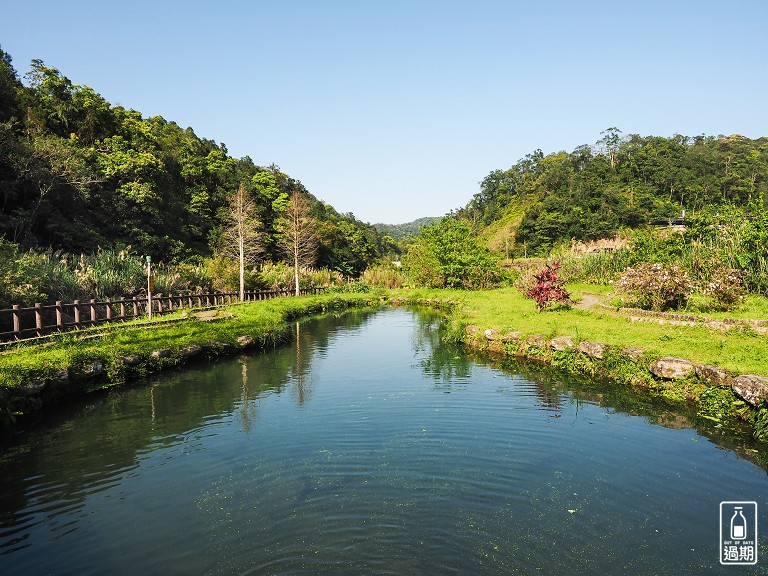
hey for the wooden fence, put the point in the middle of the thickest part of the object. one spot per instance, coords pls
(20, 323)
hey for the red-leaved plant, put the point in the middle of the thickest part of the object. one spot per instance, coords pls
(548, 289)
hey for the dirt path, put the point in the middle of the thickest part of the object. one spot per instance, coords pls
(588, 301)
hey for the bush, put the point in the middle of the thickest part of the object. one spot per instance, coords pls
(548, 289)
(353, 288)
(655, 286)
(596, 267)
(725, 289)
(225, 273)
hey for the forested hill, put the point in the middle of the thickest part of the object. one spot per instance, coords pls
(77, 173)
(621, 182)
(403, 231)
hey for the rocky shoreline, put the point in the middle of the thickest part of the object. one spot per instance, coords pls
(751, 388)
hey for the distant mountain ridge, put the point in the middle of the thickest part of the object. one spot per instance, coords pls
(402, 231)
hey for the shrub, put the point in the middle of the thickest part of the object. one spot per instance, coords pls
(353, 287)
(597, 267)
(724, 288)
(225, 273)
(655, 286)
(548, 289)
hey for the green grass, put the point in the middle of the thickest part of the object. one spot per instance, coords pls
(506, 310)
(263, 321)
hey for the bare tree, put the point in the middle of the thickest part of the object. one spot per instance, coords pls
(243, 232)
(297, 234)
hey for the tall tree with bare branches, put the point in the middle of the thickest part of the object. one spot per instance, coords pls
(297, 234)
(243, 232)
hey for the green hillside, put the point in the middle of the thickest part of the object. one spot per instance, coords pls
(403, 231)
(78, 174)
(622, 182)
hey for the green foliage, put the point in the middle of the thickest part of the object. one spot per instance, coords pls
(448, 255)
(353, 288)
(109, 273)
(280, 276)
(760, 423)
(655, 286)
(405, 231)
(598, 267)
(717, 403)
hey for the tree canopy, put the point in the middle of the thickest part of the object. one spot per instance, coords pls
(448, 255)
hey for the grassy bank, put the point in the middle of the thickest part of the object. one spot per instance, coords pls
(30, 374)
(506, 310)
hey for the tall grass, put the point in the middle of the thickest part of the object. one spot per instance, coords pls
(597, 267)
(280, 276)
(384, 276)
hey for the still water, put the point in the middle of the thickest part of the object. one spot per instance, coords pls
(369, 446)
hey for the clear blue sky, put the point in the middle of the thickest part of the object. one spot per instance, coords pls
(394, 109)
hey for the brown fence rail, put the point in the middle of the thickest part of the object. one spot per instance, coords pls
(38, 320)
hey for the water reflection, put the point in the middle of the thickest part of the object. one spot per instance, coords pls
(170, 410)
(553, 389)
(443, 361)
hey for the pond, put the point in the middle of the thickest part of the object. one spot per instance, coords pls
(370, 446)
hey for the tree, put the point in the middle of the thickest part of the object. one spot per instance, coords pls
(242, 234)
(296, 229)
(610, 143)
(448, 255)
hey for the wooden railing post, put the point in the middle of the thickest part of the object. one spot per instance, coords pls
(16, 321)
(76, 312)
(59, 314)
(159, 299)
(93, 311)
(122, 308)
(39, 318)
(135, 308)
(108, 309)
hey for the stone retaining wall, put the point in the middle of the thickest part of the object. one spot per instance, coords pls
(752, 388)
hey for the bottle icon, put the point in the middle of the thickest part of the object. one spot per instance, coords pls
(738, 525)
